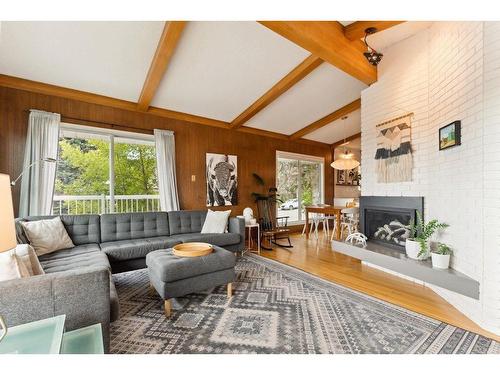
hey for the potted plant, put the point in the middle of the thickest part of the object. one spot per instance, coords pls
(417, 245)
(441, 256)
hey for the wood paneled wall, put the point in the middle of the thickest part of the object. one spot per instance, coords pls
(255, 153)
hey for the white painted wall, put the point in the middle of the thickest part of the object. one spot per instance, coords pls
(448, 72)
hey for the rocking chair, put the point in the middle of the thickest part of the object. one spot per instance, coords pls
(273, 229)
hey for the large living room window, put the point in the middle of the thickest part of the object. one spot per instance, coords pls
(299, 182)
(103, 171)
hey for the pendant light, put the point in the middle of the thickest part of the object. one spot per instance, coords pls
(346, 160)
(371, 55)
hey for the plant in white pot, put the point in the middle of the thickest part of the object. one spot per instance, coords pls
(417, 245)
(441, 256)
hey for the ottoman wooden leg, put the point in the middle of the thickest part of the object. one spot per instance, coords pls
(168, 308)
(229, 290)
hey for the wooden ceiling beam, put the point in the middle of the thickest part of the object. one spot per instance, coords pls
(356, 30)
(345, 110)
(164, 52)
(326, 40)
(297, 74)
(86, 97)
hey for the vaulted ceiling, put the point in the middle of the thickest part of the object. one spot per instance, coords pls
(259, 77)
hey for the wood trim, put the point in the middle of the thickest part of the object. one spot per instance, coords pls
(164, 52)
(326, 39)
(356, 30)
(87, 97)
(327, 119)
(270, 134)
(348, 139)
(297, 74)
(63, 92)
(162, 112)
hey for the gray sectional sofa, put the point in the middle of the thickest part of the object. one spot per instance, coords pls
(78, 281)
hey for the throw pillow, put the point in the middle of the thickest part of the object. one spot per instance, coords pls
(27, 255)
(11, 267)
(47, 236)
(216, 221)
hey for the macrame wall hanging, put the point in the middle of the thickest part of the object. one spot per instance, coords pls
(393, 156)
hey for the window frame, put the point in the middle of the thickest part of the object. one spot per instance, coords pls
(69, 130)
(305, 158)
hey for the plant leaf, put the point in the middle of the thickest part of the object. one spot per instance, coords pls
(258, 179)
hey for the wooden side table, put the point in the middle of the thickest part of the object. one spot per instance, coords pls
(250, 239)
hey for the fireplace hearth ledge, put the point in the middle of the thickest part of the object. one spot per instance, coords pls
(397, 261)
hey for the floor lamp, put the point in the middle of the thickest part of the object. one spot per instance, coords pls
(8, 233)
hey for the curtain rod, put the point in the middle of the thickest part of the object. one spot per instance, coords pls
(80, 121)
(395, 119)
(107, 124)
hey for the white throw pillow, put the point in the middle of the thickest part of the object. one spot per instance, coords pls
(27, 255)
(216, 221)
(11, 267)
(47, 236)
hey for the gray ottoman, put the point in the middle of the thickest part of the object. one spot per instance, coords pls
(172, 276)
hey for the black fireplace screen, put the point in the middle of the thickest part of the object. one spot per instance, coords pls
(386, 226)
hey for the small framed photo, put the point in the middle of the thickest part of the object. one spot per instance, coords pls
(449, 135)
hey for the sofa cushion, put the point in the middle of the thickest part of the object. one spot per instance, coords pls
(88, 257)
(138, 248)
(127, 226)
(82, 229)
(186, 221)
(219, 239)
(47, 236)
(77, 250)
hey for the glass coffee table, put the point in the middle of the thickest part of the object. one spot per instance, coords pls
(47, 336)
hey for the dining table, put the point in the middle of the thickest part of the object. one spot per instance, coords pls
(325, 209)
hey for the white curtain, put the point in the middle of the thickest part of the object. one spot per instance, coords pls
(37, 187)
(165, 165)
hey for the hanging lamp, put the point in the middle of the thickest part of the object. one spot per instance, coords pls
(345, 160)
(371, 55)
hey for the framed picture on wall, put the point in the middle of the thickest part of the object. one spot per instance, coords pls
(450, 135)
(222, 180)
(348, 177)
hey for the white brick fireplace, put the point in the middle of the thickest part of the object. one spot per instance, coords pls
(448, 72)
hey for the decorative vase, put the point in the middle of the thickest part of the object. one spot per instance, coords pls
(440, 261)
(413, 248)
(248, 214)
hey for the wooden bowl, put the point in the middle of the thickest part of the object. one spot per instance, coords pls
(192, 249)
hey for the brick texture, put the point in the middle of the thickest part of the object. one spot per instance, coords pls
(448, 72)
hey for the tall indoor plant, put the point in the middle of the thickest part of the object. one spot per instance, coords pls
(417, 245)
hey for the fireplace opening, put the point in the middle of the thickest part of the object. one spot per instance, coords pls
(389, 227)
(386, 220)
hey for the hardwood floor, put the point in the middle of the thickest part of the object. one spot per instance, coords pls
(316, 257)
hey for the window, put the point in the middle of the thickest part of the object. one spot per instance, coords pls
(299, 182)
(103, 171)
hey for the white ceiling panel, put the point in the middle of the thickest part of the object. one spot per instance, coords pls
(107, 58)
(220, 68)
(395, 34)
(323, 91)
(338, 129)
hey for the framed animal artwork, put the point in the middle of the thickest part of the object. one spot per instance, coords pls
(222, 180)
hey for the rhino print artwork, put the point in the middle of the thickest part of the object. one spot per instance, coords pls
(222, 180)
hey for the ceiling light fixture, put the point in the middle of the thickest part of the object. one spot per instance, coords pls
(346, 160)
(371, 55)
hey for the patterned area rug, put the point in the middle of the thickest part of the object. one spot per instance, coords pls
(278, 309)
